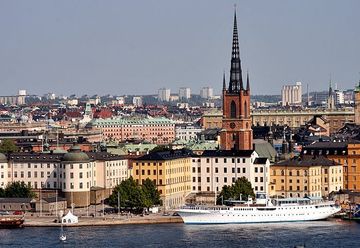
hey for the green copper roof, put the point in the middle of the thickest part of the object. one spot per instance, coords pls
(3, 158)
(129, 121)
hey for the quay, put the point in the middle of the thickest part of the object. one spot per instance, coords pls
(108, 220)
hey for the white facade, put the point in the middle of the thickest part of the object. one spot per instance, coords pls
(164, 95)
(211, 173)
(137, 101)
(339, 97)
(291, 94)
(207, 93)
(184, 93)
(187, 132)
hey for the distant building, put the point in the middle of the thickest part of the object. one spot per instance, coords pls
(164, 95)
(137, 101)
(206, 92)
(291, 94)
(184, 93)
(357, 104)
(186, 132)
(339, 97)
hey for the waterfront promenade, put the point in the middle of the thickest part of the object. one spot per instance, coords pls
(107, 220)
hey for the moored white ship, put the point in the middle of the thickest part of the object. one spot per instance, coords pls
(275, 210)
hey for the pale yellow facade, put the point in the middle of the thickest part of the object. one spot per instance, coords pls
(171, 176)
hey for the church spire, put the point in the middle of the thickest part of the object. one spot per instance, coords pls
(247, 81)
(236, 82)
(224, 83)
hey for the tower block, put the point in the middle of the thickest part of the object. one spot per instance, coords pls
(236, 133)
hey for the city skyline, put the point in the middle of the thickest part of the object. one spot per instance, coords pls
(94, 47)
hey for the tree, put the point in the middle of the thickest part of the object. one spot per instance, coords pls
(18, 190)
(7, 146)
(2, 192)
(241, 187)
(152, 195)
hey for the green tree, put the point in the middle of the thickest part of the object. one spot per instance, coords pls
(241, 187)
(18, 190)
(131, 195)
(2, 192)
(7, 146)
(152, 195)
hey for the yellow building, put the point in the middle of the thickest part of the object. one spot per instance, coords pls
(171, 173)
(314, 176)
(345, 153)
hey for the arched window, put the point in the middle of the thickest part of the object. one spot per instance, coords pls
(232, 110)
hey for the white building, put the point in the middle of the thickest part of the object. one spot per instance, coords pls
(216, 168)
(184, 93)
(137, 101)
(207, 93)
(74, 173)
(339, 97)
(164, 95)
(291, 94)
(186, 132)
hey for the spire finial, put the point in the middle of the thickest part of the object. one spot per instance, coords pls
(224, 84)
(247, 81)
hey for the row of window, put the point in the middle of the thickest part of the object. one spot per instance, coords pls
(216, 170)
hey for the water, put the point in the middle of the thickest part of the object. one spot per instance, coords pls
(312, 234)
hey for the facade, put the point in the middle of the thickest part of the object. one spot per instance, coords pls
(345, 153)
(171, 173)
(154, 130)
(207, 92)
(12, 100)
(339, 97)
(164, 95)
(313, 176)
(137, 101)
(357, 104)
(214, 169)
(236, 131)
(74, 173)
(186, 132)
(291, 95)
(184, 93)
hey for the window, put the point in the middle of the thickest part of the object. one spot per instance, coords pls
(42, 174)
(225, 170)
(225, 179)
(225, 160)
(160, 173)
(233, 109)
(29, 174)
(208, 179)
(71, 175)
(194, 179)
(256, 179)
(199, 179)
(80, 175)
(207, 160)
(137, 172)
(80, 185)
(256, 169)
(216, 160)
(142, 172)
(207, 169)
(216, 170)
(244, 170)
(71, 185)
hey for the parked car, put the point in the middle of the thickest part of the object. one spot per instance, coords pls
(18, 212)
(3, 212)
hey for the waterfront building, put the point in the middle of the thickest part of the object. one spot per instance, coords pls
(345, 153)
(171, 173)
(214, 169)
(291, 95)
(164, 95)
(207, 92)
(313, 176)
(184, 93)
(154, 130)
(74, 173)
(236, 130)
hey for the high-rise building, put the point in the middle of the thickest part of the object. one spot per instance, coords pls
(164, 95)
(206, 92)
(291, 94)
(184, 93)
(339, 97)
(137, 101)
(236, 133)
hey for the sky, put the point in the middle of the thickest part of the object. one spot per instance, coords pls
(136, 47)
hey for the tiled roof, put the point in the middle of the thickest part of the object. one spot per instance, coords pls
(227, 153)
(166, 155)
(308, 161)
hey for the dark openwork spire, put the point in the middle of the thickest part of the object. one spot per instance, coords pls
(236, 82)
(224, 83)
(247, 81)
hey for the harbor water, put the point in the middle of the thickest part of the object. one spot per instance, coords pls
(334, 233)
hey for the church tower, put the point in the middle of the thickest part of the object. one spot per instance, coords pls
(236, 133)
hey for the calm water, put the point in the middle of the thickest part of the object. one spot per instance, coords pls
(312, 234)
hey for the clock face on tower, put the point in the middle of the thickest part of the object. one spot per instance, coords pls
(232, 125)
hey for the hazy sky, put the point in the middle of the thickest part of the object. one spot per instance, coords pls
(136, 47)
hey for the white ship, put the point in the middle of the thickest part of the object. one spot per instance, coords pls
(274, 210)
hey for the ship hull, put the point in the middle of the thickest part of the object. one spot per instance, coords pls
(11, 223)
(243, 215)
